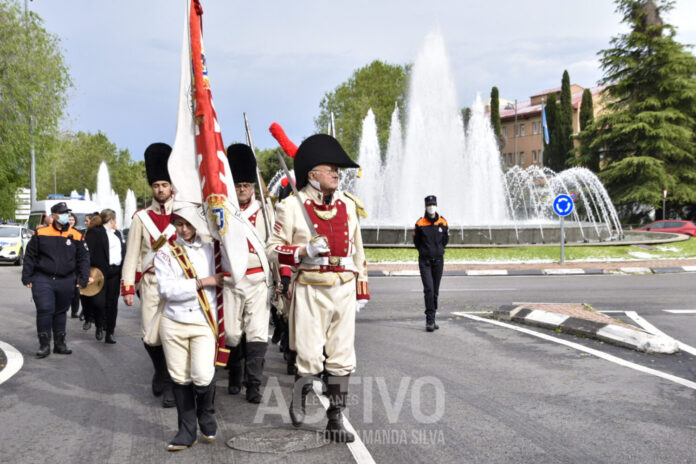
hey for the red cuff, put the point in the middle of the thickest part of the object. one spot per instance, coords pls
(127, 289)
(286, 255)
(138, 276)
(363, 290)
(285, 271)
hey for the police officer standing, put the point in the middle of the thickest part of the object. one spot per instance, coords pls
(147, 228)
(318, 233)
(55, 257)
(430, 237)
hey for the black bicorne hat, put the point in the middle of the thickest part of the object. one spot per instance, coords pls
(156, 157)
(319, 149)
(242, 163)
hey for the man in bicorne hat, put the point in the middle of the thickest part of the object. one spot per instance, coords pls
(247, 307)
(149, 230)
(331, 280)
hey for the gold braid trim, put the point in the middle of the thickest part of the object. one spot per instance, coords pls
(359, 206)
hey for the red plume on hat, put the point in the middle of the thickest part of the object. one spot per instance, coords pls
(286, 144)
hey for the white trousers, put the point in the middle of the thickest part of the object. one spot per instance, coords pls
(324, 320)
(149, 299)
(247, 310)
(189, 350)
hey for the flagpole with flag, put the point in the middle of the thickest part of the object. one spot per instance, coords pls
(544, 125)
(198, 147)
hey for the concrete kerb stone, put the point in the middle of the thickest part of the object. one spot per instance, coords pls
(537, 272)
(635, 339)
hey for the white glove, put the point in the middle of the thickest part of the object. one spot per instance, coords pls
(317, 246)
(360, 304)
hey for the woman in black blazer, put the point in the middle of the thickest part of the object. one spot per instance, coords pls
(106, 252)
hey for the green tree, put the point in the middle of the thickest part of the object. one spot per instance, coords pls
(495, 117)
(33, 83)
(586, 109)
(466, 117)
(553, 154)
(646, 131)
(378, 86)
(586, 155)
(269, 164)
(565, 120)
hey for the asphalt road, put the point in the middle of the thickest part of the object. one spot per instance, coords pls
(470, 392)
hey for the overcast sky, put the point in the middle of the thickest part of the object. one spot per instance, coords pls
(276, 59)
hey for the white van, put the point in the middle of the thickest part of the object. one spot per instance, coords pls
(42, 208)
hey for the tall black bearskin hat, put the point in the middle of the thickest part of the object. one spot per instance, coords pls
(156, 156)
(319, 149)
(242, 163)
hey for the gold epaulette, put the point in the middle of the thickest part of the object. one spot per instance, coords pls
(359, 207)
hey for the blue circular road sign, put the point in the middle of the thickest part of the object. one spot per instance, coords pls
(563, 205)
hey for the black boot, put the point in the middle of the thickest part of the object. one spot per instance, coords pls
(157, 356)
(59, 345)
(255, 359)
(429, 322)
(335, 430)
(235, 370)
(205, 410)
(109, 338)
(435, 326)
(44, 345)
(99, 333)
(168, 400)
(290, 358)
(277, 325)
(302, 387)
(186, 416)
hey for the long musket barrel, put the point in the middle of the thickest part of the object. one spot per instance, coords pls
(259, 179)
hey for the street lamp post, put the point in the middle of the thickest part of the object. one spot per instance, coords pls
(32, 196)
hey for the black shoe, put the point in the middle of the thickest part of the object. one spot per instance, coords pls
(109, 339)
(44, 345)
(87, 325)
(59, 346)
(82, 317)
(430, 326)
(99, 334)
(253, 395)
(435, 325)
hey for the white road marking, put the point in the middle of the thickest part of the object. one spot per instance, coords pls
(680, 311)
(599, 354)
(567, 271)
(654, 330)
(357, 448)
(487, 272)
(15, 361)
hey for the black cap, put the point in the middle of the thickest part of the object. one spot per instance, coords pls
(59, 208)
(156, 157)
(319, 149)
(430, 200)
(242, 163)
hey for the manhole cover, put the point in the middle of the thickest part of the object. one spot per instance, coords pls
(277, 440)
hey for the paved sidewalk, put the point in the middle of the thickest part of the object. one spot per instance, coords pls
(552, 268)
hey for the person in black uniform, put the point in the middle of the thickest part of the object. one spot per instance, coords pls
(106, 252)
(430, 237)
(55, 257)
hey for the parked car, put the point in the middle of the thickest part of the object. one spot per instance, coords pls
(672, 226)
(13, 242)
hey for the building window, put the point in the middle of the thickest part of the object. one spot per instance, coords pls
(522, 130)
(535, 128)
(521, 158)
(534, 156)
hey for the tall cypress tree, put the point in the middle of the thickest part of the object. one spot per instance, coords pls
(565, 119)
(586, 109)
(586, 156)
(646, 131)
(495, 117)
(553, 157)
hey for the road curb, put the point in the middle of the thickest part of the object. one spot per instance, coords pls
(539, 272)
(635, 339)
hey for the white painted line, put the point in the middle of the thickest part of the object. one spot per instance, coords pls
(689, 268)
(654, 330)
(357, 448)
(599, 354)
(636, 270)
(487, 272)
(15, 361)
(568, 271)
(680, 311)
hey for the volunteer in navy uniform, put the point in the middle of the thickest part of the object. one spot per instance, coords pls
(331, 280)
(247, 303)
(430, 237)
(55, 258)
(147, 227)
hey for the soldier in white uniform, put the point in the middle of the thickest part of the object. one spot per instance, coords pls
(247, 303)
(147, 227)
(331, 281)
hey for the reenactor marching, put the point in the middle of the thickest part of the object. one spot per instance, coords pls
(149, 231)
(247, 303)
(317, 232)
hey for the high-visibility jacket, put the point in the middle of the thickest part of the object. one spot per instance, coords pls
(56, 253)
(431, 236)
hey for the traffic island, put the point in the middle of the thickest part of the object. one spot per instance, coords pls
(582, 320)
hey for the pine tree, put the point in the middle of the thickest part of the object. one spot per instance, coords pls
(553, 156)
(646, 130)
(495, 117)
(565, 120)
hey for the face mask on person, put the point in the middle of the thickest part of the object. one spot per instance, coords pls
(63, 219)
(431, 209)
(314, 184)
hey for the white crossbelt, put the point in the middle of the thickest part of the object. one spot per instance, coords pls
(344, 261)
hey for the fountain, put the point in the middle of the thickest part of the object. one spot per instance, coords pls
(105, 197)
(130, 208)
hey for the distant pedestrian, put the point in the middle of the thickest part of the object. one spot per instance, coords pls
(75, 302)
(430, 236)
(54, 255)
(106, 254)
